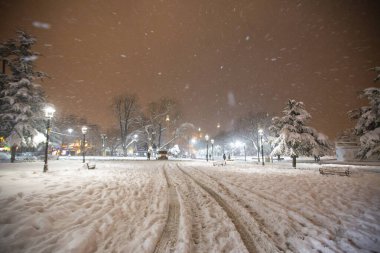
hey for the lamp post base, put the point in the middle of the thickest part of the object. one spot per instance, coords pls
(45, 168)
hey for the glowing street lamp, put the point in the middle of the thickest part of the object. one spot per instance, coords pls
(207, 137)
(212, 149)
(135, 139)
(84, 131)
(49, 113)
(70, 130)
(261, 133)
(104, 137)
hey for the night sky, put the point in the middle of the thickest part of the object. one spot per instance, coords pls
(219, 58)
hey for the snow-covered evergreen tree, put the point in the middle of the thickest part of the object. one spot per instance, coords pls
(21, 99)
(368, 124)
(22, 109)
(295, 138)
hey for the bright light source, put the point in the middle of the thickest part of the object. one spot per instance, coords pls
(212, 141)
(135, 136)
(49, 112)
(70, 130)
(193, 140)
(167, 118)
(84, 130)
(207, 137)
(261, 131)
(218, 125)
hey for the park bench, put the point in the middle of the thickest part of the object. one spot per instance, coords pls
(335, 171)
(219, 163)
(90, 166)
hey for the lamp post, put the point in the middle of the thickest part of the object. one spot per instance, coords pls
(84, 131)
(104, 136)
(245, 154)
(212, 149)
(135, 139)
(206, 137)
(70, 130)
(49, 112)
(261, 133)
(258, 146)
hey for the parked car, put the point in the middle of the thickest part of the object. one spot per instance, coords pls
(5, 157)
(162, 155)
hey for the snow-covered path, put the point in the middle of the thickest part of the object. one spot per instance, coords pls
(152, 206)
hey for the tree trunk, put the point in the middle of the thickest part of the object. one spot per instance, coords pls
(294, 161)
(13, 153)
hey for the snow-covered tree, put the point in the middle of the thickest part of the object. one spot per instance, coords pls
(368, 124)
(175, 151)
(128, 115)
(247, 127)
(295, 138)
(160, 121)
(22, 108)
(21, 99)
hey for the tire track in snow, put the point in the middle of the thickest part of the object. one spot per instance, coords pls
(294, 216)
(252, 236)
(169, 235)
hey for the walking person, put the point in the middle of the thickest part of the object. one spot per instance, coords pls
(224, 158)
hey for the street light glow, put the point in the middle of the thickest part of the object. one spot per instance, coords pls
(49, 112)
(84, 130)
(207, 137)
(238, 144)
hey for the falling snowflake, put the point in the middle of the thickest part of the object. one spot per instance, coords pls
(30, 58)
(231, 99)
(41, 25)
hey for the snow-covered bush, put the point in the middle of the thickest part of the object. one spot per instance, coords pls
(175, 151)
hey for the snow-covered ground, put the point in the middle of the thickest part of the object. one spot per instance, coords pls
(187, 206)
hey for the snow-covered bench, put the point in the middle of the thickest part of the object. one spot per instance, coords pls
(335, 171)
(90, 166)
(219, 163)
